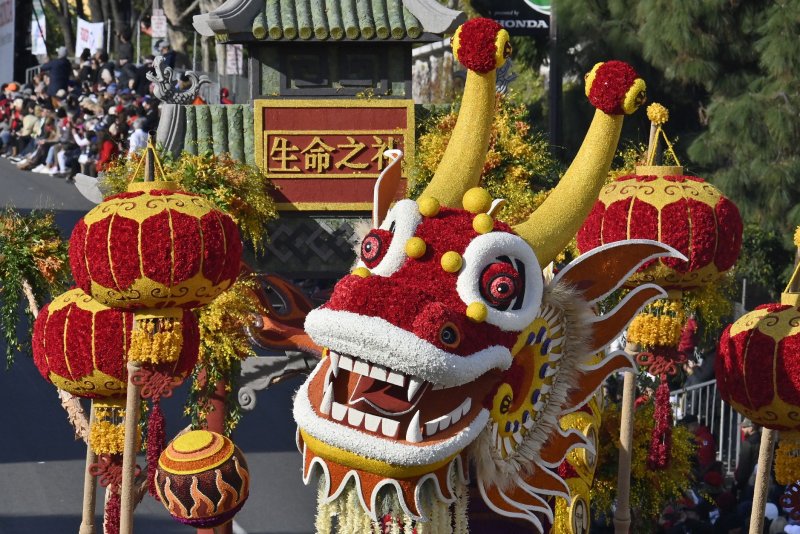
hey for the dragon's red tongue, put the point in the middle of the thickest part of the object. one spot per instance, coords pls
(379, 394)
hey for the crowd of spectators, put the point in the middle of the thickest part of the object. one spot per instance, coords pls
(78, 115)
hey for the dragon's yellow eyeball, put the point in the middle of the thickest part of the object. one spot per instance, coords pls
(477, 312)
(452, 261)
(482, 223)
(363, 272)
(477, 200)
(428, 206)
(415, 247)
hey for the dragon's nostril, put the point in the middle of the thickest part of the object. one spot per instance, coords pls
(449, 335)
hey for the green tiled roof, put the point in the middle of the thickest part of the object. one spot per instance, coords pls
(335, 19)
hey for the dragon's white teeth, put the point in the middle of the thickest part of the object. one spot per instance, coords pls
(361, 367)
(346, 363)
(555, 356)
(327, 400)
(437, 425)
(413, 433)
(396, 378)
(551, 370)
(538, 406)
(466, 406)
(372, 422)
(544, 389)
(334, 359)
(414, 384)
(378, 372)
(455, 415)
(508, 446)
(339, 411)
(389, 427)
(517, 437)
(354, 417)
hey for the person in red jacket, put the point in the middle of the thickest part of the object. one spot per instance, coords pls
(706, 446)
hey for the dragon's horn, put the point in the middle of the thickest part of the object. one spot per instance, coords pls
(615, 90)
(482, 46)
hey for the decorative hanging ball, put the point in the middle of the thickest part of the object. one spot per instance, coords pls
(202, 479)
(660, 203)
(758, 366)
(155, 247)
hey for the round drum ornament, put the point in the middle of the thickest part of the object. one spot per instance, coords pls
(685, 212)
(202, 479)
(155, 247)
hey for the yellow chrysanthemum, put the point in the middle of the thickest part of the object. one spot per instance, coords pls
(657, 113)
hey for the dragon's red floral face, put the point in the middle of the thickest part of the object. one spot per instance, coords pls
(417, 337)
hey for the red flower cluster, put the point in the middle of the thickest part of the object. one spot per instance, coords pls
(661, 441)
(476, 48)
(612, 81)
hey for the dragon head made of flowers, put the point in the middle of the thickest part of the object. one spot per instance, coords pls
(446, 348)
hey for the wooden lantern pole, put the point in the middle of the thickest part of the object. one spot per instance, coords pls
(765, 453)
(89, 488)
(622, 515)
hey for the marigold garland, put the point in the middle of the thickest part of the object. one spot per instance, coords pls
(787, 458)
(156, 341)
(660, 325)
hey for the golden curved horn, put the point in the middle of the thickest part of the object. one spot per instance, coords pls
(616, 90)
(465, 155)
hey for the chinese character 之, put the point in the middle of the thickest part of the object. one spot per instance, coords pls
(357, 146)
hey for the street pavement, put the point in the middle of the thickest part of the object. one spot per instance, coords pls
(41, 465)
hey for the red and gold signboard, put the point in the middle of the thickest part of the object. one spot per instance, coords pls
(327, 154)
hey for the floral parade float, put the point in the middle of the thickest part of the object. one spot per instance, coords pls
(142, 260)
(756, 370)
(444, 350)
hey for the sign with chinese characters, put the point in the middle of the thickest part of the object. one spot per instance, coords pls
(326, 154)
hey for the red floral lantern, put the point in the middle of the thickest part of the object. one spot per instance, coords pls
(685, 212)
(155, 247)
(758, 366)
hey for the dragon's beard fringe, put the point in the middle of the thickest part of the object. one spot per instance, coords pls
(345, 515)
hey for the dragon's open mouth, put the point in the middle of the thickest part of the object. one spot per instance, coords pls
(374, 399)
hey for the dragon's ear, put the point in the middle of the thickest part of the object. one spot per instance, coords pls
(386, 187)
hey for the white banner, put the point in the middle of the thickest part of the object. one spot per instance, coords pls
(38, 35)
(7, 15)
(89, 35)
(158, 24)
(233, 59)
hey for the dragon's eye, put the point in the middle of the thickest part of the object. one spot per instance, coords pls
(374, 247)
(382, 250)
(500, 284)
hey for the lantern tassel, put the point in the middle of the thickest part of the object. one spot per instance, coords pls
(156, 439)
(661, 441)
(112, 512)
(156, 340)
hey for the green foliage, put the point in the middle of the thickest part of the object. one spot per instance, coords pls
(238, 189)
(763, 262)
(32, 254)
